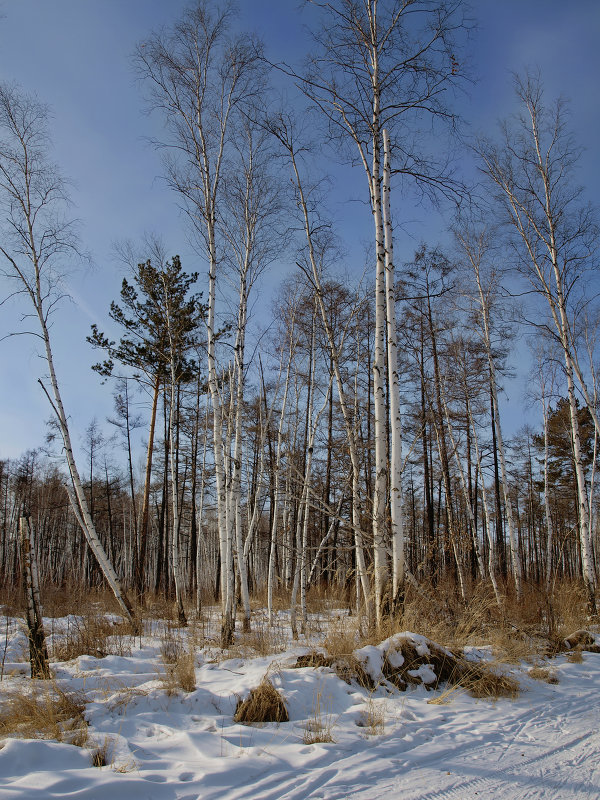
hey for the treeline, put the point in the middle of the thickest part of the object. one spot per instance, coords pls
(296, 476)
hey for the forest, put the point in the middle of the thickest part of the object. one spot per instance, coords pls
(349, 439)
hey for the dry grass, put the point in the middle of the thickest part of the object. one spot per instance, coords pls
(45, 713)
(121, 700)
(180, 674)
(281, 599)
(543, 674)
(103, 754)
(263, 704)
(481, 680)
(511, 645)
(321, 599)
(342, 638)
(516, 632)
(347, 667)
(575, 657)
(92, 635)
(172, 646)
(373, 718)
(319, 727)
(566, 609)
(262, 640)
(486, 682)
(178, 661)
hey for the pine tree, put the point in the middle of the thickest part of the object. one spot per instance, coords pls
(160, 319)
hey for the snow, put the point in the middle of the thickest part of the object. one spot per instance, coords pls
(186, 746)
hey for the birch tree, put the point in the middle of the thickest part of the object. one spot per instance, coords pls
(285, 130)
(201, 79)
(554, 233)
(474, 246)
(37, 240)
(385, 64)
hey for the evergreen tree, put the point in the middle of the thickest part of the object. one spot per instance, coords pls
(160, 319)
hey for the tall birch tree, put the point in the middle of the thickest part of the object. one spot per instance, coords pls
(532, 174)
(201, 78)
(37, 240)
(385, 65)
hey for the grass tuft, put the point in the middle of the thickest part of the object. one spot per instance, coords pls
(263, 704)
(319, 727)
(543, 674)
(103, 754)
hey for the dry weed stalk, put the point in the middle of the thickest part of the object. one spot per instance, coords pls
(319, 727)
(373, 718)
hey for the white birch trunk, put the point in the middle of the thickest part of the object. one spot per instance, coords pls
(380, 566)
(276, 489)
(396, 511)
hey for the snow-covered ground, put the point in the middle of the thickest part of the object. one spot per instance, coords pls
(386, 743)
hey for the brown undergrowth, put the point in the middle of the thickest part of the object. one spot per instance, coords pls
(46, 712)
(92, 635)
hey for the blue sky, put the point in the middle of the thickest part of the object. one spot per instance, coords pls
(75, 54)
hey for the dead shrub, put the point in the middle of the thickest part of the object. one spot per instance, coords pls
(48, 713)
(263, 704)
